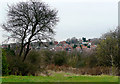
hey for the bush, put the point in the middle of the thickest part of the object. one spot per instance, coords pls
(5, 65)
(35, 62)
(72, 59)
(47, 56)
(91, 61)
(17, 67)
(60, 58)
(30, 66)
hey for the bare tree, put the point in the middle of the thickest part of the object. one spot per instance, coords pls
(30, 21)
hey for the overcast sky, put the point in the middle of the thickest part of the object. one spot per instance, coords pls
(78, 18)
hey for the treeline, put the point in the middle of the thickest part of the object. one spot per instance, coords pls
(102, 60)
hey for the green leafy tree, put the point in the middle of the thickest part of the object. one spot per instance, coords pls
(107, 51)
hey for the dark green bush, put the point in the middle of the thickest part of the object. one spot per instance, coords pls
(16, 66)
(30, 66)
(60, 58)
(5, 65)
(47, 56)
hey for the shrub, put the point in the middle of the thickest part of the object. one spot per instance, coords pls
(5, 65)
(17, 67)
(47, 56)
(60, 58)
(91, 61)
(72, 59)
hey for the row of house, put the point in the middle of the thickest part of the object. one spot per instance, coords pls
(84, 45)
(65, 46)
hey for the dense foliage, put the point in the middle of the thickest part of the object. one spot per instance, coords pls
(5, 65)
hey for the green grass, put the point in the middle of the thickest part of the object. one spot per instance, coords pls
(60, 77)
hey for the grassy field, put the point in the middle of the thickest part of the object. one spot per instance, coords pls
(60, 77)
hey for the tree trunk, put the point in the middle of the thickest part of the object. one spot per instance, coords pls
(21, 50)
(22, 44)
(113, 67)
(29, 40)
(27, 51)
